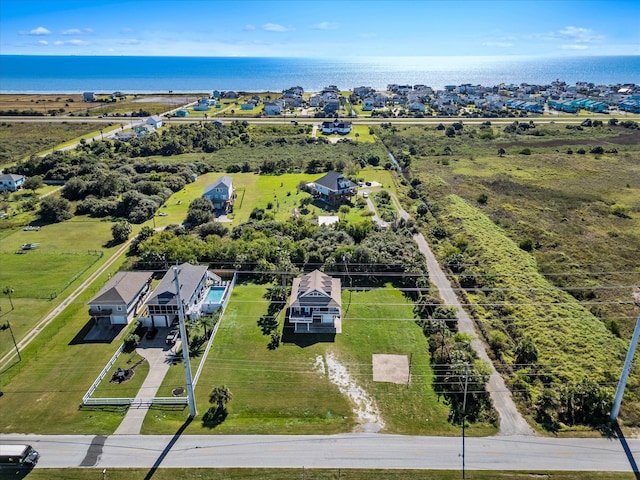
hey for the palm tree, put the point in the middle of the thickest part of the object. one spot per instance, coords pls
(220, 395)
(8, 291)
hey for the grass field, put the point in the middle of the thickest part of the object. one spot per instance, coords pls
(309, 474)
(20, 140)
(282, 390)
(40, 278)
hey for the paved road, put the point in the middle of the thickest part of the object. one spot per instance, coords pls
(330, 451)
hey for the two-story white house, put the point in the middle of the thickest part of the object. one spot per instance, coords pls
(221, 193)
(316, 304)
(11, 182)
(120, 299)
(162, 305)
(336, 127)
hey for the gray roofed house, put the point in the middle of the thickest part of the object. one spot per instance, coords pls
(119, 300)
(194, 281)
(333, 188)
(316, 303)
(221, 193)
(11, 182)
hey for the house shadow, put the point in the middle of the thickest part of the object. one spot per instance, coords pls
(97, 332)
(303, 340)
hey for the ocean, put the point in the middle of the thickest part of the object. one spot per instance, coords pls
(73, 74)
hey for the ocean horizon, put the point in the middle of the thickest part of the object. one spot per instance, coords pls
(145, 74)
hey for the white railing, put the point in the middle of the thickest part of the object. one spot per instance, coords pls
(105, 370)
(137, 401)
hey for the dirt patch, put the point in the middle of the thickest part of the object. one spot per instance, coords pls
(390, 368)
(166, 100)
(365, 409)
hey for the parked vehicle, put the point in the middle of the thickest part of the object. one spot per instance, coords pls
(172, 337)
(18, 455)
(151, 333)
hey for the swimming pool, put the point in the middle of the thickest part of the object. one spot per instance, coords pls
(215, 295)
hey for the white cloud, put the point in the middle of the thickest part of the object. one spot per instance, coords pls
(71, 42)
(578, 46)
(250, 27)
(37, 31)
(274, 27)
(570, 33)
(325, 26)
(498, 44)
(581, 35)
(130, 41)
(126, 31)
(43, 42)
(77, 31)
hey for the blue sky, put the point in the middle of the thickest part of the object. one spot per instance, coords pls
(328, 28)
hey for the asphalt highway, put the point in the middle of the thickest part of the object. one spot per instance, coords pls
(375, 451)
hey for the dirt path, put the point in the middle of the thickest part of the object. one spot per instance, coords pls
(511, 421)
(364, 407)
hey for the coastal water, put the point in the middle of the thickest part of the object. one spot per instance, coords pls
(69, 74)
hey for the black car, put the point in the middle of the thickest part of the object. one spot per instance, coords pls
(172, 336)
(151, 333)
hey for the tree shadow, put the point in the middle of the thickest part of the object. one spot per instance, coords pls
(214, 417)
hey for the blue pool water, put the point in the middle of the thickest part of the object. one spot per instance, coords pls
(215, 294)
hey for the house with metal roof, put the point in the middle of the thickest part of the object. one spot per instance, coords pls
(194, 281)
(316, 304)
(119, 301)
(333, 188)
(11, 182)
(221, 193)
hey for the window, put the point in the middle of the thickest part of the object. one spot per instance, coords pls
(119, 308)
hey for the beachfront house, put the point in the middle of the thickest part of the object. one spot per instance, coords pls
(333, 188)
(155, 121)
(88, 97)
(11, 182)
(162, 305)
(316, 304)
(120, 299)
(221, 193)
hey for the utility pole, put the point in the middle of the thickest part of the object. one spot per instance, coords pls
(185, 347)
(464, 411)
(626, 369)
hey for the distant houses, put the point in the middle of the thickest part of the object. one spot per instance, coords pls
(88, 97)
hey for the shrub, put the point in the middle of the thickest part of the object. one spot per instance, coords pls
(482, 199)
(525, 151)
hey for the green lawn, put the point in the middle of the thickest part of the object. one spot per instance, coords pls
(283, 391)
(310, 474)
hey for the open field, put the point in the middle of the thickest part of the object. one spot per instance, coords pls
(308, 474)
(288, 389)
(520, 223)
(21, 140)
